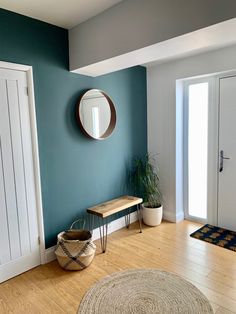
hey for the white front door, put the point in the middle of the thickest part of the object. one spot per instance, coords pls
(227, 149)
(19, 247)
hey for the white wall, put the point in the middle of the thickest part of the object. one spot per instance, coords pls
(161, 91)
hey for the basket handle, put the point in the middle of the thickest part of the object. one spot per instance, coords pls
(76, 221)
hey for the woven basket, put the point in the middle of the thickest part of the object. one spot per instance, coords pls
(75, 248)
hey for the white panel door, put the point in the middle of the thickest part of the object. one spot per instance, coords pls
(19, 247)
(227, 149)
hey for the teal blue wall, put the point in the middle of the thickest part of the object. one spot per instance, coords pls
(76, 172)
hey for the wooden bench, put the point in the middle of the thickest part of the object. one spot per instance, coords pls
(104, 210)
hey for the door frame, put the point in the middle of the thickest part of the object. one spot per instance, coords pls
(212, 184)
(35, 151)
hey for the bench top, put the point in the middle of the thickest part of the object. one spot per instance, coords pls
(114, 206)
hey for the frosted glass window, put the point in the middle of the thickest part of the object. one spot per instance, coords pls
(95, 116)
(197, 149)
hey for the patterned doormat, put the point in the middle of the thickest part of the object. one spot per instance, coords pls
(217, 236)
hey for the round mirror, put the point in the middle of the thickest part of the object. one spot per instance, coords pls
(96, 114)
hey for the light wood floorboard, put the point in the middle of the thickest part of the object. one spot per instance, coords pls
(49, 289)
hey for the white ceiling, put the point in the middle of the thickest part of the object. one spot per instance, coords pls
(63, 13)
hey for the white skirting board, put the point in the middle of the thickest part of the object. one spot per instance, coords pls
(112, 226)
(172, 216)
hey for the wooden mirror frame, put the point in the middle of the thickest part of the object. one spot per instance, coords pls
(112, 124)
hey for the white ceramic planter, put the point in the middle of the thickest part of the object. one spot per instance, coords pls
(152, 216)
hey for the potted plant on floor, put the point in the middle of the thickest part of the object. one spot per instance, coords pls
(144, 179)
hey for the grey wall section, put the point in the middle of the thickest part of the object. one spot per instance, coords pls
(76, 172)
(134, 24)
(161, 82)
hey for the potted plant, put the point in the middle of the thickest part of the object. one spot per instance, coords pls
(145, 182)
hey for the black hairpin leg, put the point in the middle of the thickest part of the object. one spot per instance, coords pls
(127, 219)
(103, 233)
(91, 223)
(139, 217)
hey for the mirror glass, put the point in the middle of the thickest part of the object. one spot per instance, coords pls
(96, 114)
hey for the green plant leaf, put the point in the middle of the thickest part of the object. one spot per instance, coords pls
(144, 180)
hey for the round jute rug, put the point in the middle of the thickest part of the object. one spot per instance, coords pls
(142, 291)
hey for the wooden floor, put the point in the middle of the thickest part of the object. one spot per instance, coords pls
(49, 289)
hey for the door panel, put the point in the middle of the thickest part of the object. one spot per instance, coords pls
(4, 241)
(18, 166)
(28, 163)
(227, 143)
(19, 248)
(8, 174)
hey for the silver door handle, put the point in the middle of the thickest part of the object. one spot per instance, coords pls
(222, 160)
